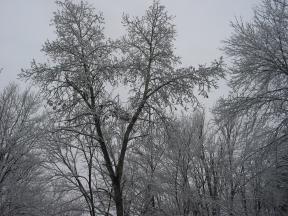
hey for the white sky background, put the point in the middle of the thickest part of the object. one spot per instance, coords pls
(201, 26)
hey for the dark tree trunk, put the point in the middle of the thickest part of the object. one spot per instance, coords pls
(118, 198)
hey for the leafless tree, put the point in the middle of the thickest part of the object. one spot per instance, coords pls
(258, 51)
(78, 78)
(19, 166)
(74, 160)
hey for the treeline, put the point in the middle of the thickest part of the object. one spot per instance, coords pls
(104, 137)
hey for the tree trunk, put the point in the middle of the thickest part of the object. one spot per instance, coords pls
(118, 198)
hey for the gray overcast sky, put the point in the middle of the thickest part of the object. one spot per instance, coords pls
(201, 25)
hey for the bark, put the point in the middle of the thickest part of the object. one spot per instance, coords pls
(118, 199)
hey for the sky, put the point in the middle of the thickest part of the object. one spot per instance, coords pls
(201, 26)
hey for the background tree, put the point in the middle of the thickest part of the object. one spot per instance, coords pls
(73, 159)
(23, 186)
(258, 51)
(18, 138)
(259, 71)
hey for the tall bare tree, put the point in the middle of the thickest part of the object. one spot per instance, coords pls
(78, 78)
(258, 50)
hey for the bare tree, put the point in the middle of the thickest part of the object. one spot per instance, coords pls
(20, 170)
(259, 71)
(81, 69)
(74, 160)
(258, 51)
